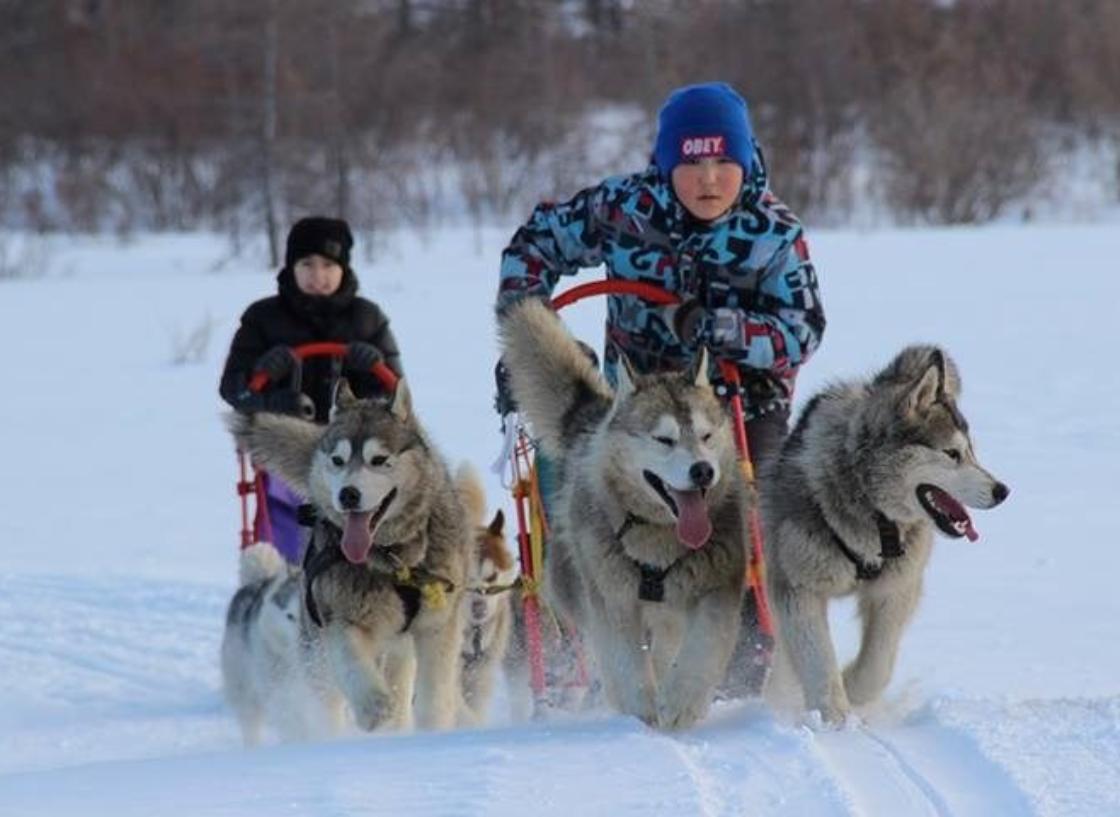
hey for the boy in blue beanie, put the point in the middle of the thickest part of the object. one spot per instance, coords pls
(700, 221)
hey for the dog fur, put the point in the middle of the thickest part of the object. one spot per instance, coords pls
(658, 452)
(849, 478)
(382, 621)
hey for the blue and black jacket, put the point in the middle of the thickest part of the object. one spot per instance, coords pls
(754, 259)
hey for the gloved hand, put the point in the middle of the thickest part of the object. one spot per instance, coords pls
(689, 321)
(503, 397)
(278, 362)
(361, 357)
(277, 401)
(717, 328)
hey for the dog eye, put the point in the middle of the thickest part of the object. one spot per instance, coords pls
(669, 441)
(493, 577)
(338, 461)
(706, 438)
(378, 460)
(953, 454)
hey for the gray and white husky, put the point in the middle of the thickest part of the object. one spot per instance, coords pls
(870, 472)
(646, 551)
(387, 561)
(260, 646)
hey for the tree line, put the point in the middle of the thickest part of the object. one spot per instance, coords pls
(239, 115)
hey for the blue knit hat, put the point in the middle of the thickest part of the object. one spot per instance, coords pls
(709, 119)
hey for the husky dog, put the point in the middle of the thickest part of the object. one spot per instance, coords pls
(386, 565)
(487, 604)
(646, 550)
(870, 472)
(260, 647)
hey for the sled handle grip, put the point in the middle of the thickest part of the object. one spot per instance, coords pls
(259, 381)
(649, 292)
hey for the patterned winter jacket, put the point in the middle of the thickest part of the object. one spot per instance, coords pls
(754, 259)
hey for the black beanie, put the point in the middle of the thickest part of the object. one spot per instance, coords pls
(318, 235)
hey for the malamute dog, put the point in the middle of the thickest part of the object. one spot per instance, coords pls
(260, 646)
(870, 472)
(646, 550)
(386, 565)
(488, 602)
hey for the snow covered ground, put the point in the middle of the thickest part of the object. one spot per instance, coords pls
(118, 544)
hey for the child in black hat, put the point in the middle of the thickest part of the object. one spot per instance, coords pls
(317, 301)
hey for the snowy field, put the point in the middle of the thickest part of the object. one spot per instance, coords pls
(118, 546)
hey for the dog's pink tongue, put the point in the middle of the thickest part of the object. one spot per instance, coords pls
(357, 538)
(693, 526)
(970, 531)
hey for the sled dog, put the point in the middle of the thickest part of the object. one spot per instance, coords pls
(870, 472)
(260, 646)
(646, 551)
(488, 602)
(384, 571)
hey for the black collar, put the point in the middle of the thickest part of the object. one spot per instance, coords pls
(651, 582)
(317, 561)
(890, 546)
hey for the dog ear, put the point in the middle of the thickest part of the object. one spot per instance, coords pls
(279, 444)
(698, 372)
(401, 405)
(343, 397)
(627, 378)
(926, 390)
(497, 524)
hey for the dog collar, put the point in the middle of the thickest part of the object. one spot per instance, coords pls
(413, 586)
(890, 546)
(651, 580)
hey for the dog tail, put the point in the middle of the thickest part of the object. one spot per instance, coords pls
(555, 384)
(473, 494)
(260, 562)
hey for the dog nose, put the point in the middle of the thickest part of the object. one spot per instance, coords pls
(349, 498)
(1000, 492)
(701, 474)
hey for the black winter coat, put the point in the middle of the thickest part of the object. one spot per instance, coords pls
(292, 318)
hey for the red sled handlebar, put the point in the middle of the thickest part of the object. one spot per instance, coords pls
(259, 381)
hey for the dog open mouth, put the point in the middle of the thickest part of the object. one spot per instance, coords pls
(693, 526)
(359, 528)
(948, 514)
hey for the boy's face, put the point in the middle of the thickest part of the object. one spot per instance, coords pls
(317, 275)
(708, 187)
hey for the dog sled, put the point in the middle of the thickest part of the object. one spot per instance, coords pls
(256, 526)
(532, 522)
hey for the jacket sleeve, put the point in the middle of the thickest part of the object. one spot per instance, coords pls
(558, 239)
(249, 343)
(786, 323)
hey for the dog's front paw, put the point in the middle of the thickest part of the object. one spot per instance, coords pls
(373, 710)
(832, 711)
(679, 708)
(862, 686)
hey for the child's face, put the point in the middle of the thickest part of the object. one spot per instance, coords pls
(708, 187)
(317, 275)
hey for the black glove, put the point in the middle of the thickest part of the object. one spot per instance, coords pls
(361, 357)
(277, 401)
(278, 362)
(503, 397)
(689, 321)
